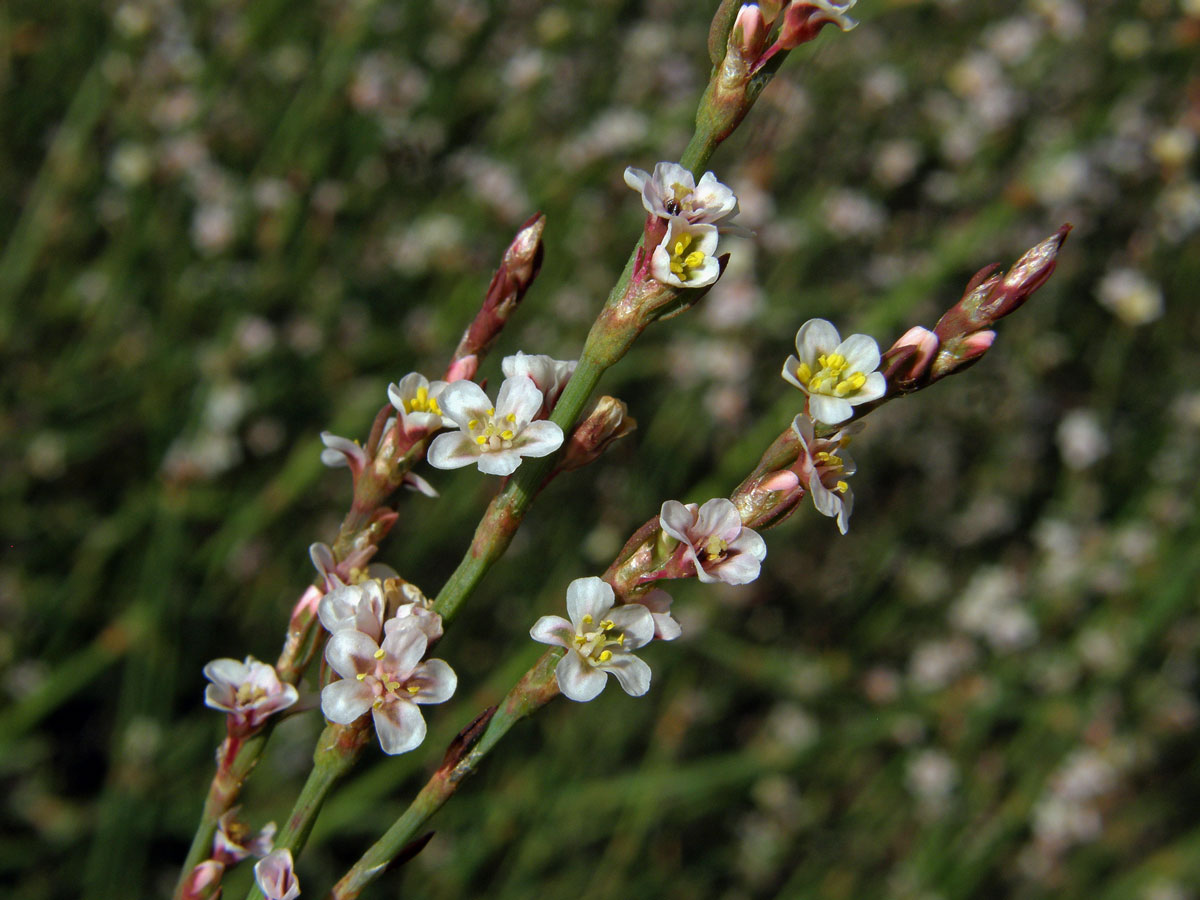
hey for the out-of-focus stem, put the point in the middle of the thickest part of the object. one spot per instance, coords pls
(535, 689)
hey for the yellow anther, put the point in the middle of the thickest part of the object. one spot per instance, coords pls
(379, 654)
(511, 417)
(413, 688)
(491, 410)
(804, 373)
(605, 656)
(676, 267)
(392, 685)
(620, 639)
(507, 435)
(587, 619)
(607, 625)
(473, 424)
(842, 487)
(481, 440)
(361, 675)
(694, 259)
(378, 704)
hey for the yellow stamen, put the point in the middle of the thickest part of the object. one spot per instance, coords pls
(412, 688)
(361, 675)
(392, 685)
(605, 656)
(842, 487)
(379, 654)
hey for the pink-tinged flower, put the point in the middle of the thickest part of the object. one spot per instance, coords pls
(494, 438)
(234, 841)
(714, 540)
(248, 691)
(340, 453)
(389, 680)
(685, 256)
(549, 376)
(355, 606)
(836, 375)
(203, 880)
(598, 639)
(659, 604)
(804, 18)
(416, 399)
(276, 877)
(824, 467)
(412, 607)
(672, 191)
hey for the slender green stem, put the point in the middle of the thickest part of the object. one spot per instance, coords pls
(535, 689)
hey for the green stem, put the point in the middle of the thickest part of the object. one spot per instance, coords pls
(338, 749)
(535, 689)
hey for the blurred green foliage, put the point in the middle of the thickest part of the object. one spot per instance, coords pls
(225, 226)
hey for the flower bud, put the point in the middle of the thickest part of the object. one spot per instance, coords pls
(958, 353)
(769, 500)
(749, 32)
(204, 882)
(606, 421)
(803, 20)
(906, 364)
(463, 369)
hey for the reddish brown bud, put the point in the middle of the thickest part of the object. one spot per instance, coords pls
(906, 364)
(520, 266)
(606, 421)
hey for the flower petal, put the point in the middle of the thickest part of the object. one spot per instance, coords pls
(830, 410)
(588, 597)
(636, 178)
(816, 336)
(519, 397)
(719, 517)
(635, 622)
(399, 725)
(861, 352)
(577, 680)
(632, 674)
(350, 652)
(791, 373)
(553, 630)
(452, 449)
(404, 646)
(463, 401)
(436, 680)
(676, 519)
(875, 388)
(344, 701)
(738, 568)
(539, 438)
(499, 462)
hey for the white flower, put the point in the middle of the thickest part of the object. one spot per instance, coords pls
(494, 438)
(356, 606)
(549, 376)
(416, 399)
(714, 540)
(389, 680)
(672, 191)
(837, 375)
(823, 466)
(248, 691)
(685, 256)
(275, 877)
(598, 639)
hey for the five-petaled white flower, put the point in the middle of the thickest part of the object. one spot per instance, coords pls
(494, 438)
(672, 191)
(415, 397)
(714, 540)
(598, 639)
(824, 467)
(549, 375)
(837, 375)
(389, 680)
(685, 256)
(248, 691)
(276, 877)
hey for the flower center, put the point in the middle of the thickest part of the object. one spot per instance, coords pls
(715, 549)
(829, 467)
(249, 694)
(831, 378)
(422, 402)
(593, 643)
(492, 436)
(680, 194)
(683, 263)
(386, 684)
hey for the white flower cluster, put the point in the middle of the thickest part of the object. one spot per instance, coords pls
(380, 662)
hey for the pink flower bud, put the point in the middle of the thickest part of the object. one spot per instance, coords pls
(204, 881)
(463, 369)
(906, 364)
(749, 31)
(960, 352)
